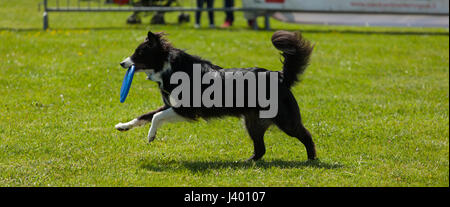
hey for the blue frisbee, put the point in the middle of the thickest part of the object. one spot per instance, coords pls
(126, 84)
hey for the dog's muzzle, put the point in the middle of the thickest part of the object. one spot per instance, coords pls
(126, 63)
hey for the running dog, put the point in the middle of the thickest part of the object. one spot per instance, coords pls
(159, 60)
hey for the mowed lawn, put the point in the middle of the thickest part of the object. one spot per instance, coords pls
(375, 99)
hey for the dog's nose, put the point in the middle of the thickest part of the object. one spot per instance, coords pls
(126, 63)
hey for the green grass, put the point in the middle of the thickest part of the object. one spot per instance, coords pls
(375, 99)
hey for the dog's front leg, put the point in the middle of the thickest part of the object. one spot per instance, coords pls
(141, 120)
(168, 115)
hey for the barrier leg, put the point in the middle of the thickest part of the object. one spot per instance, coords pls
(45, 17)
(45, 21)
(255, 25)
(267, 21)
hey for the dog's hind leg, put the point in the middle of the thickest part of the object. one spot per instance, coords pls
(141, 120)
(168, 115)
(302, 134)
(256, 128)
(289, 121)
(292, 125)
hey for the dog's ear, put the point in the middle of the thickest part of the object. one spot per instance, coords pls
(152, 38)
(150, 35)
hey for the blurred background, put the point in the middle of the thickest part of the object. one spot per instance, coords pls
(419, 13)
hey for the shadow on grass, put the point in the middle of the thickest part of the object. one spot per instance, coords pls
(321, 31)
(200, 166)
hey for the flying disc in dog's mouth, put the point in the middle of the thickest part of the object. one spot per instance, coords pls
(126, 84)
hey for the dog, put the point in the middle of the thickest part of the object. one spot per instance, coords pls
(159, 60)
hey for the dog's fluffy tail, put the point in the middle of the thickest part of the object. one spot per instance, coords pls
(296, 52)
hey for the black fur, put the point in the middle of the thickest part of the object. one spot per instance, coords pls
(296, 53)
(156, 51)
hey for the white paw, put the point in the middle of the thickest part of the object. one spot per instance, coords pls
(122, 127)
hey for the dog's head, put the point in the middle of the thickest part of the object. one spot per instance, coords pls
(149, 55)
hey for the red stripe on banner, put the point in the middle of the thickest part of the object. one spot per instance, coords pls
(274, 1)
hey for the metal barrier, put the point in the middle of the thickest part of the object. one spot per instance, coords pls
(99, 6)
(259, 7)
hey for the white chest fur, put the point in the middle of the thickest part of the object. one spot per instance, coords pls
(157, 76)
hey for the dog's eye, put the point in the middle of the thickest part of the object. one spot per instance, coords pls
(139, 52)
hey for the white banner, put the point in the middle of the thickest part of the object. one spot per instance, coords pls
(388, 6)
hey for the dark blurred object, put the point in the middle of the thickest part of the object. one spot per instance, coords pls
(198, 14)
(121, 2)
(158, 18)
(229, 15)
(134, 19)
(184, 18)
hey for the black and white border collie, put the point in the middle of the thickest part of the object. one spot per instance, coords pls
(159, 59)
